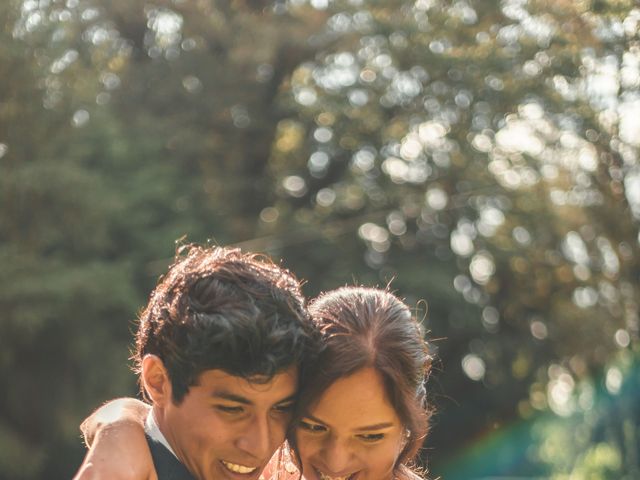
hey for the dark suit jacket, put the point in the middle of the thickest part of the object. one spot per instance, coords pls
(167, 465)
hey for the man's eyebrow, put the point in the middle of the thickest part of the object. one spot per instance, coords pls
(367, 428)
(290, 398)
(232, 397)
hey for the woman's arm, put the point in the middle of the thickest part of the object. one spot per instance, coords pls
(127, 411)
(118, 447)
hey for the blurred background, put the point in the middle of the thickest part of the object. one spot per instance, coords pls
(480, 156)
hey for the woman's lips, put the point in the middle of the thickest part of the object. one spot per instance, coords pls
(324, 476)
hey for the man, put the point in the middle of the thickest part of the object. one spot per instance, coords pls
(218, 351)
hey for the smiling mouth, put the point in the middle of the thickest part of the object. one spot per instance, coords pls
(236, 468)
(328, 477)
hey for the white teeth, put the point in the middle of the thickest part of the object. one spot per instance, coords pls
(327, 477)
(234, 467)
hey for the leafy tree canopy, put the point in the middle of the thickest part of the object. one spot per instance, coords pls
(481, 156)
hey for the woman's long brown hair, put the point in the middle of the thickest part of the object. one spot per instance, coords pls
(367, 327)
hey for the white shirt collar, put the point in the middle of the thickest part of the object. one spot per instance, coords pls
(153, 430)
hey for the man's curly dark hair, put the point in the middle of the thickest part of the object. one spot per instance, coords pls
(217, 308)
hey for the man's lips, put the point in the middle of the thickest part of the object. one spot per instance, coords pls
(237, 468)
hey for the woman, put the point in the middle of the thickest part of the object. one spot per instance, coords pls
(362, 410)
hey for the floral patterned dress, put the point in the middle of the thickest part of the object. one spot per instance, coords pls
(282, 466)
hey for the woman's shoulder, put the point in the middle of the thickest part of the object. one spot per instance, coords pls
(408, 474)
(412, 476)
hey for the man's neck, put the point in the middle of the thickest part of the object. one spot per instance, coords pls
(153, 429)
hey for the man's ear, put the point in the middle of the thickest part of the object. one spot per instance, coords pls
(155, 380)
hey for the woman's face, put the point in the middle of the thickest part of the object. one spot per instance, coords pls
(352, 432)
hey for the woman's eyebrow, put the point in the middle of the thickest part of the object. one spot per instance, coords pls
(315, 419)
(367, 428)
(375, 426)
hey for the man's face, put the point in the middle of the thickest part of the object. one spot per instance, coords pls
(227, 427)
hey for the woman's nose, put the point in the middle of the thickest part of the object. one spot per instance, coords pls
(337, 457)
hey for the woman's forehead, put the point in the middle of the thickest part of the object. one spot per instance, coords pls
(355, 401)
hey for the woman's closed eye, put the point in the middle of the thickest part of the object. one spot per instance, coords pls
(371, 437)
(312, 427)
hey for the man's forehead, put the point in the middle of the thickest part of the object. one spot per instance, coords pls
(223, 384)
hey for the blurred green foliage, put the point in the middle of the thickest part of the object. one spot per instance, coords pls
(480, 155)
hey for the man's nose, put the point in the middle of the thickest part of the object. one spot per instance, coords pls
(257, 439)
